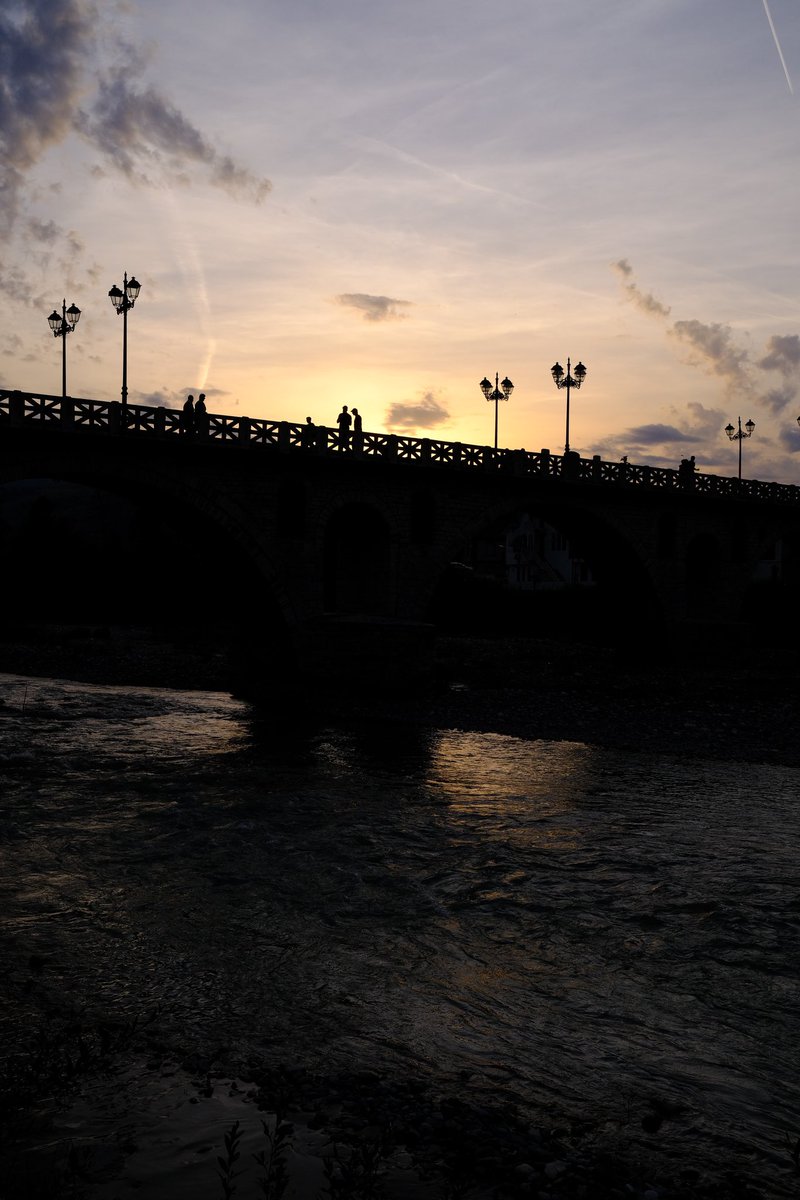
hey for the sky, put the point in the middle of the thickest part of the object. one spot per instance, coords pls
(378, 205)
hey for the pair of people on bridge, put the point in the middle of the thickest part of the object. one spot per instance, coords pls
(194, 418)
(345, 420)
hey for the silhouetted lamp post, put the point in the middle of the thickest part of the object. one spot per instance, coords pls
(123, 300)
(497, 395)
(736, 435)
(568, 381)
(61, 324)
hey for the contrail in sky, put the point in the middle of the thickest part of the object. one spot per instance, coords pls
(778, 46)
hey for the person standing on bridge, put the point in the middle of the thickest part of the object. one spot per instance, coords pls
(200, 415)
(187, 416)
(358, 437)
(308, 434)
(344, 421)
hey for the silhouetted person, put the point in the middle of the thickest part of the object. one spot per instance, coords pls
(200, 415)
(358, 437)
(187, 417)
(344, 421)
(307, 433)
(686, 472)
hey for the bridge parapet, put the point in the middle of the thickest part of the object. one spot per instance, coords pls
(111, 418)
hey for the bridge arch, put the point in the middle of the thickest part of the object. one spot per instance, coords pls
(617, 588)
(193, 565)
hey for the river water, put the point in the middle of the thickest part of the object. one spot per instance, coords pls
(580, 930)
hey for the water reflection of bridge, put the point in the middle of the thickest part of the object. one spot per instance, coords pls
(362, 528)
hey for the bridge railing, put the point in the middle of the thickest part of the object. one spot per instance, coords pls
(29, 409)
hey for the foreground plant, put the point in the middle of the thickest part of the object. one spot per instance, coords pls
(226, 1172)
(275, 1172)
(357, 1174)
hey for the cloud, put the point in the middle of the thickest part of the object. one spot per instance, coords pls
(655, 435)
(783, 354)
(425, 413)
(704, 422)
(44, 231)
(642, 300)
(694, 426)
(49, 90)
(43, 61)
(140, 130)
(16, 286)
(713, 347)
(374, 308)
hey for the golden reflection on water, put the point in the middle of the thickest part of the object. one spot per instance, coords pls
(110, 719)
(514, 788)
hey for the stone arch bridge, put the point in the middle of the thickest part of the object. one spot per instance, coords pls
(357, 534)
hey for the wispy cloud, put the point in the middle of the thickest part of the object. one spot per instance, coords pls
(43, 65)
(449, 177)
(374, 308)
(50, 89)
(783, 354)
(713, 348)
(642, 300)
(425, 413)
(783, 357)
(140, 132)
(778, 46)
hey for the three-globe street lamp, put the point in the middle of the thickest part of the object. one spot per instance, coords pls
(568, 381)
(124, 299)
(61, 324)
(496, 395)
(736, 435)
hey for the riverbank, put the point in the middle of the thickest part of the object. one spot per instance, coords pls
(702, 703)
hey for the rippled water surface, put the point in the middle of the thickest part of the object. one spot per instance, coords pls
(566, 926)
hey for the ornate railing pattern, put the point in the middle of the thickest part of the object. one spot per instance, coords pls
(20, 409)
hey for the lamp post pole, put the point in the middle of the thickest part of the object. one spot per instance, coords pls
(568, 381)
(497, 395)
(61, 324)
(737, 435)
(124, 299)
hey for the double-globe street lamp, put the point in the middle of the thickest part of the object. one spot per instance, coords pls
(737, 435)
(497, 395)
(568, 381)
(61, 324)
(124, 299)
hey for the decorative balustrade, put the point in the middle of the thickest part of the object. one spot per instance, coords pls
(29, 409)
